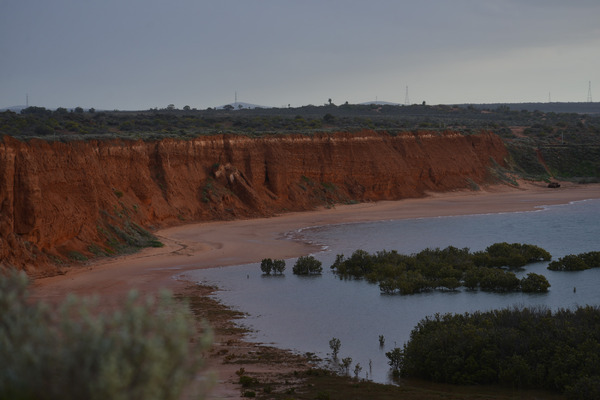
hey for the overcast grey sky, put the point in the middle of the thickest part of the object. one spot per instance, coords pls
(140, 54)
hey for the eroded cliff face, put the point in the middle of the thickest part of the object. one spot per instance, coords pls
(62, 200)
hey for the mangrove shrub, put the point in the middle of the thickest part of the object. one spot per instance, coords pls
(521, 348)
(577, 262)
(307, 265)
(446, 269)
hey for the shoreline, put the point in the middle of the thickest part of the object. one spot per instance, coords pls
(226, 243)
(201, 245)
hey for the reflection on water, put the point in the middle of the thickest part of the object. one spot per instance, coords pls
(304, 313)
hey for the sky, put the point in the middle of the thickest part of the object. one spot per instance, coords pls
(141, 54)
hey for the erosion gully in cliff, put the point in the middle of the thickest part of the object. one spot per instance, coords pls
(64, 201)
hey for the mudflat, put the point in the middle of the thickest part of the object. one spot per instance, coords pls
(212, 244)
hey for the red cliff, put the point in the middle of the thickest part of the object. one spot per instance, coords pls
(58, 200)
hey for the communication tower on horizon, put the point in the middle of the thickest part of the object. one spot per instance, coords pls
(589, 99)
(26, 100)
(406, 99)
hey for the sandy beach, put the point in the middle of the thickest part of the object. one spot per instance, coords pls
(206, 245)
(212, 244)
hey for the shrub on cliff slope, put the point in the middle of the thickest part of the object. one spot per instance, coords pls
(142, 351)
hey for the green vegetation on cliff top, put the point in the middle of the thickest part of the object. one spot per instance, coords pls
(541, 144)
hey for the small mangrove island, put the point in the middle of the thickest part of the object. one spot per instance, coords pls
(576, 262)
(447, 269)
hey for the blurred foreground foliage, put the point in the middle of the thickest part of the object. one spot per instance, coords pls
(146, 349)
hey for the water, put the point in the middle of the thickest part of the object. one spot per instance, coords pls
(304, 313)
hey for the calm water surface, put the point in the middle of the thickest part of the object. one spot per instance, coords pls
(304, 313)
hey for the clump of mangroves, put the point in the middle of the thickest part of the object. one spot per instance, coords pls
(447, 269)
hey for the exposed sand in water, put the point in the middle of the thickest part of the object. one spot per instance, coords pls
(212, 244)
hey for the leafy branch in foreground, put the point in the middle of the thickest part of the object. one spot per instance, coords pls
(143, 350)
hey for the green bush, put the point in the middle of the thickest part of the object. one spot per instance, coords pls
(307, 265)
(75, 350)
(576, 262)
(446, 269)
(267, 265)
(278, 266)
(534, 283)
(518, 347)
(247, 381)
(514, 255)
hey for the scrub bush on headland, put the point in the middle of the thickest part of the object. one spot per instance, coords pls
(521, 348)
(447, 269)
(143, 350)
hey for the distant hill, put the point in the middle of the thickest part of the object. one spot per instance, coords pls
(379, 103)
(16, 109)
(238, 105)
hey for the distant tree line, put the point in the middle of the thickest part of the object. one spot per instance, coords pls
(447, 269)
(520, 348)
(538, 126)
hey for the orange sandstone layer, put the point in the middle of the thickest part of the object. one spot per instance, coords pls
(59, 198)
